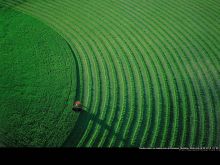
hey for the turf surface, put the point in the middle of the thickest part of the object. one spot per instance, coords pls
(149, 70)
(37, 83)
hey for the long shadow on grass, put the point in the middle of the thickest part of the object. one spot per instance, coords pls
(81, 125)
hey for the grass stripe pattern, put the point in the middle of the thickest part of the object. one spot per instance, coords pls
(149, 70)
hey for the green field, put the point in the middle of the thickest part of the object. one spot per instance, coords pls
(148, 71)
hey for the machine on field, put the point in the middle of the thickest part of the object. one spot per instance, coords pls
(78, 107)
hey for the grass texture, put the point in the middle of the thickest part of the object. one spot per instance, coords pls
(37, 83)
(149, 70)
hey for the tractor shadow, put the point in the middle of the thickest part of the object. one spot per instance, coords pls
(85, 117)
(81, 125)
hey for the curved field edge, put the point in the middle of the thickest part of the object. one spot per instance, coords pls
(149, 70)
(38, 83)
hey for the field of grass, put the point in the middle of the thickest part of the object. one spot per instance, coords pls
(148, 71)
(37, 83)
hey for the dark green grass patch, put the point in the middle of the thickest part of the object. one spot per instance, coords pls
(37, 83)
(149, 71)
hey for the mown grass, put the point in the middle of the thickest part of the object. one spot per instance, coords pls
(148, 70)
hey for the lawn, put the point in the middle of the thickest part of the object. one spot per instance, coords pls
(37, 83)
(148, 71)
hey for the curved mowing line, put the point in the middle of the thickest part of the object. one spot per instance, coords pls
(128, 35)
(97, 81)
(209, 8)
(90, 122)
(160, 56)
(170, 68)
(99, 99)
(206, 43)
(137, 106)
(76, 36)
(208, 15)
(135, 18)
(39, 18)
(101, 116)
(105, 73)
(98, 70)
(202, 23)
(208, 101)
(160, 27)
(111, 76)
(193, 131)
(215, 83)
